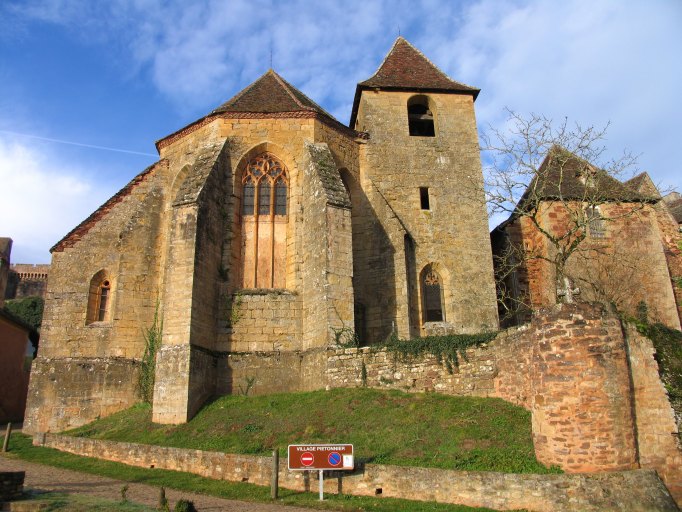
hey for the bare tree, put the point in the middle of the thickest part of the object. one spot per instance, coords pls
(560, 193)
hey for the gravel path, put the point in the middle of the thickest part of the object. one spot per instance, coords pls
(48, 478)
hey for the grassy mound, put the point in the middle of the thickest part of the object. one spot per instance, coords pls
(388, 427)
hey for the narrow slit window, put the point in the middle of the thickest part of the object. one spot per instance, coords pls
(424, 198)
(103, 301)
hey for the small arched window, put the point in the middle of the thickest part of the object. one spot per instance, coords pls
(420, 117)
(595, 222)
(264, 222)
(432, 295)
(99, 298)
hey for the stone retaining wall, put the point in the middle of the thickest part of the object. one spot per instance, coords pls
(597, 401)
(634, 491)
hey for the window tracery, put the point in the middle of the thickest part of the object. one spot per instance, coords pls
(432, 295)
(264, 214)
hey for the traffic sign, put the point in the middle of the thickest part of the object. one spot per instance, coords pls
(307, 459)
(321, 456)
(334, 458)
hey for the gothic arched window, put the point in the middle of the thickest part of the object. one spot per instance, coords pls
(99, 298)
(264, 222)
(432, 295)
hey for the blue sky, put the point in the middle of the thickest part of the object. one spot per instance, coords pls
(120, 74)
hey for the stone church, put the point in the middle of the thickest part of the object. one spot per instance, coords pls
(267, 232)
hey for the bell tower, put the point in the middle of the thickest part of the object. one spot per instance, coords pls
(427, 245)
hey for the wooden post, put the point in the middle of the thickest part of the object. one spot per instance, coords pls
(5, 445)
(274, 481)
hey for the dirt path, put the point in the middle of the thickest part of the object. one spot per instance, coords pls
(49, 478)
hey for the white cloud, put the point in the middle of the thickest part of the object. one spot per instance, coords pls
(595, 63)
(40, 200)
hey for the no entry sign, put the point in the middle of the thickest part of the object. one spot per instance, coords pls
(321, 456)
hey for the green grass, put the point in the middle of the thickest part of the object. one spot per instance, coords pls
(387, 427)
(21, 447)
(54, 501)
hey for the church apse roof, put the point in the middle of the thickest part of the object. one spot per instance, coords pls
(270, 93)
(269, 96)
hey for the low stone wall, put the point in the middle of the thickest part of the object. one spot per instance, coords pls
(634, 491)
(11, 485)
(499, 368)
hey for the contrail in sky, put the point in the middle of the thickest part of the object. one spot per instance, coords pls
(78, 144)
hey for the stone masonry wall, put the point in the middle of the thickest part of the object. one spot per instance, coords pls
(657, 430)
(259, 373)
(624, 266)
(453, 231)
(570, 368)
(634, 491)
(493, 369)
(68, 392)
(261, 321)
(581, 396)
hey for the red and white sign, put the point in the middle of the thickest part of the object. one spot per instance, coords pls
(321, 456)
(307, 459)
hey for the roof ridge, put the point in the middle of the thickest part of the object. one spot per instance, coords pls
(314, 108)
(287, 87)
(429, 61)
(241, 93)
(386, 57)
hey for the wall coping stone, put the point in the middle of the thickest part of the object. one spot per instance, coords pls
(636, 490)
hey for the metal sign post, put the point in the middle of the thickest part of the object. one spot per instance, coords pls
(337, 457)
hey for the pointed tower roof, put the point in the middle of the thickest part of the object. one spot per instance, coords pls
(407, 69)
(269, 96)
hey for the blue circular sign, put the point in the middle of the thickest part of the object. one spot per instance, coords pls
(334, 458)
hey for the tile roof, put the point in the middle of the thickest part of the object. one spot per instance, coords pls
(406, 68)
(643, 184)
(565, 176)
(269, 96)
(270, 93)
